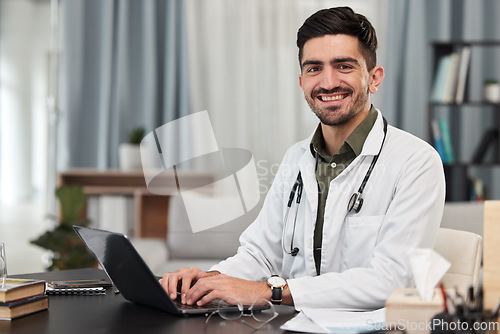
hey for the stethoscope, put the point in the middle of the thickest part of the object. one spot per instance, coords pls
(355, 202)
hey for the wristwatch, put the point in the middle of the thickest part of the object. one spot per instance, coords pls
(277, 284)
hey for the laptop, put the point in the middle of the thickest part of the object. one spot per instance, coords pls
(131, 275)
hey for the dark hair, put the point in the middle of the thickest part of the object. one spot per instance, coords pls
(340, 20)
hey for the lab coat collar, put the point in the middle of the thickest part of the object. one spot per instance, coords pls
(375, 137)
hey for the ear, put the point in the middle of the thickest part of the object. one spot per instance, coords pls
(300, 81)
(376, 77)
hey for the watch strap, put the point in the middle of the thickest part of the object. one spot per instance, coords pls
(276, 295)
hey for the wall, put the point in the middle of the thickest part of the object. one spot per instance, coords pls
(24, 42)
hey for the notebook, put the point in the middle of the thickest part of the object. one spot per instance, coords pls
(130, 274)
(76, 291)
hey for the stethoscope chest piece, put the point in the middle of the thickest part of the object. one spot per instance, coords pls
(355, 203)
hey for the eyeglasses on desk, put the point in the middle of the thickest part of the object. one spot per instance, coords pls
(231, 309)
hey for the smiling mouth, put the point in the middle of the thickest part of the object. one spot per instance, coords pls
(336, 97)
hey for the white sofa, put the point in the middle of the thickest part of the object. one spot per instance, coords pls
(465, 216)
(183, 248)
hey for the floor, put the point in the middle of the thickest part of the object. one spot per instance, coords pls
(19, 224)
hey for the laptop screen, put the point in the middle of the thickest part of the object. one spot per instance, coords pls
(125, 267)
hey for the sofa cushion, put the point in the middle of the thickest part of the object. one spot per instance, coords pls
(464, 216)
(153, 251)
(175, 264)
(216, 243)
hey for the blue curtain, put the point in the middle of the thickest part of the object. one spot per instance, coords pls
(123, 65)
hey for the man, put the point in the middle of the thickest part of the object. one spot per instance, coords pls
(339, 251)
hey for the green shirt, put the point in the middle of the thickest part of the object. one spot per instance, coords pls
(328, 167)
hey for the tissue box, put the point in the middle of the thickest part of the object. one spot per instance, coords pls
(406, 310)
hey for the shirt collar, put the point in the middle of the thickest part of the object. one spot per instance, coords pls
(354, 141)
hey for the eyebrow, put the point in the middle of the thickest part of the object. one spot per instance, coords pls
(334, 61)
(345, 60)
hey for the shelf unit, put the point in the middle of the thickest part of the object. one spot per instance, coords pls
(458, 180)
(151, 210)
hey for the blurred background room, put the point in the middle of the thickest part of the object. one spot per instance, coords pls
(77, 77)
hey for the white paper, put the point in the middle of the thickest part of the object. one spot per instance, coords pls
(336, 321)
(301, 323)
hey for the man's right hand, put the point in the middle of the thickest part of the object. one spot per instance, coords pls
(187, 277)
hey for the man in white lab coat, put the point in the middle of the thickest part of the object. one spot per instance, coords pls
(370, 192)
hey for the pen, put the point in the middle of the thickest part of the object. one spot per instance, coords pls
(479, 299)
(445, 299)
(459, 305)
(469, 301)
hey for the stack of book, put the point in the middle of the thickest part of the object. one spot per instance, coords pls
(20, 297)
(451, 76)
(442, 140)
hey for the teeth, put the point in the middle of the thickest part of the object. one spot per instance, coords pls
(332, 98)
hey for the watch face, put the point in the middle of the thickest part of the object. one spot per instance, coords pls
(276, 281)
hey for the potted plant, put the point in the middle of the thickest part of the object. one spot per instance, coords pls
(130, 153)
(492, 91)
(69, 252)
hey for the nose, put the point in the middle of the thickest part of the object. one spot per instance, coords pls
(329, 78)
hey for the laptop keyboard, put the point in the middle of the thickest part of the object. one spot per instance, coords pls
(210, 305)
(180, 305)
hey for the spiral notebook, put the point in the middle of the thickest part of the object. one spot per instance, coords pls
(76, 291)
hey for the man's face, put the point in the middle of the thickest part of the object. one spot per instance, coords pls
(334, 78)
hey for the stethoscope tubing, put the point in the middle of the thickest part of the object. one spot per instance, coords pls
(298, 185)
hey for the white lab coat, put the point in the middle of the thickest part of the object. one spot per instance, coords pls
(364, 255)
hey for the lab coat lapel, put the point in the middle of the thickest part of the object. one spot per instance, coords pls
(307, 166)
(310, 206)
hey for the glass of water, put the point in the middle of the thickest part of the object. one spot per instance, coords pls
(3, 264)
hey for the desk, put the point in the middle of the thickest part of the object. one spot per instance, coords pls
(111, 313)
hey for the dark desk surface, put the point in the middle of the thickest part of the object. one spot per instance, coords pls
(111, 313)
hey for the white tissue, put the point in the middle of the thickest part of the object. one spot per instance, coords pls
(428, 268)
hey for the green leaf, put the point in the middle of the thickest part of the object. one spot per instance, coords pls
(69, 250)
(56, 240)
(136, 135)
(77, 257)
(72, 201)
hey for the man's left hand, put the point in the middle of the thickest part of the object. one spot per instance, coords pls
(222, 286)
